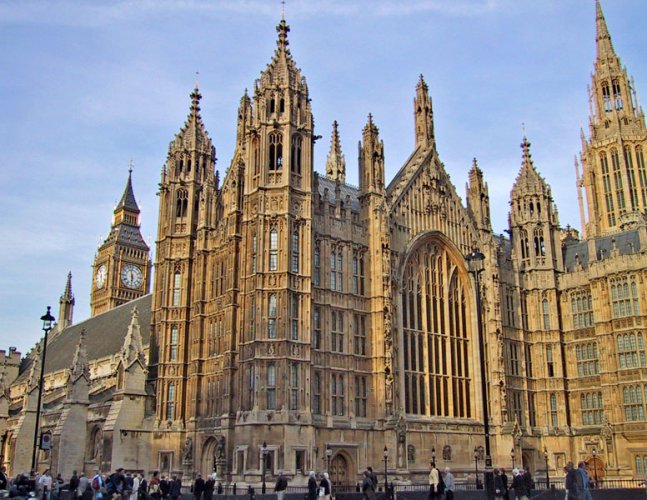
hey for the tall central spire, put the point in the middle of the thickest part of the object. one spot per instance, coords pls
(603, 39)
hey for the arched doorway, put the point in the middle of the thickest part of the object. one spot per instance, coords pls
(595, 468)
(339, 470)
(206, 464)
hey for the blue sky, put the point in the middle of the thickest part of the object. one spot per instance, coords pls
(85, 86)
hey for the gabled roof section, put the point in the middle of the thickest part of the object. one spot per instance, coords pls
(105, 335)
(133, 349)
(80, 365)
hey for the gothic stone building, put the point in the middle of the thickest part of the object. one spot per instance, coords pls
(296, 314)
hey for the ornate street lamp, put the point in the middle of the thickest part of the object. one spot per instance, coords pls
(48, 324)
(547, 475)
(595, 467)
(386, 479)
(475, 261)
(512, 455)
(263, 459)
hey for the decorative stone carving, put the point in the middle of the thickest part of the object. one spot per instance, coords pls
(411, 453)
(187, 451)
(447, 453)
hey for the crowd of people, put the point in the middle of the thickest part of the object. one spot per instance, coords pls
(119, 485)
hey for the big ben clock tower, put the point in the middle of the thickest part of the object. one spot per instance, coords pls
(121, 269)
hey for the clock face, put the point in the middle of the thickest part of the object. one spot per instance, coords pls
(132, 276)
(100, 277)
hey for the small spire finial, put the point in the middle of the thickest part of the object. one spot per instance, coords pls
(130, 166)
(282, 29)
(283, 10)
(197, 79)
(523, 128)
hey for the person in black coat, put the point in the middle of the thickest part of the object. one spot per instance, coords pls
(313, 487)
(142, 491)
(74, 484)
(571, 482)
(198, 487)
(209, 486)
(176, 488)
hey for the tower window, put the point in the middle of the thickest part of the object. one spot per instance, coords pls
(360, 396)
(553, 410)
(271, 386)
(606, 97)
(295, 317)
(282, 105)
(295, 251)
(294, 386)
(631, 178)
(316, 275)
(617, 176)
(316, 394)
(642, 173)
(276, 151)
(274, 250)
(337, 394)
(271, 105)
(617, 95)
(608, 194)
(550, 364)
(360, 334)
(545, 314)
(296, 154)
(633, 403)
(181, 203)
(316, 341)
(170, 402)
(337, 331)
(174, 344)
(177, 283)
(271, 316)
(254, 252)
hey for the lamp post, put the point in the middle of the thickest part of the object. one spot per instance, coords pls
(595, 467)
(386, 479)
(263, 458)
(433, 456)
(475, 260)
(476, 467)
(48, 324)
(512, 456)
(328, 456)
(547, 475)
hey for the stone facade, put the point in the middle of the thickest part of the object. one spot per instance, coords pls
(294, 314)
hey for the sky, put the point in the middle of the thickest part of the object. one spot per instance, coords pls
(86, 86)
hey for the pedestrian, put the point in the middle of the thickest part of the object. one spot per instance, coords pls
(519, 485)
(74, 485)
(504, 478)
(134, 489)
(313, 489)
(585, 492)
(368, 487)
(325, 487)
(280, 486)
(570, 482)
(450, 484)
(165, 487)
(498, 485)
(154, 487)
(527, 477)
(129, 486)
(82, 486)
(176, 488)
(45, 485)
(434, 482)
(373, 476)
(142, 491)
(4, 480)
(98, 486)
(198, 487)
(209, 486)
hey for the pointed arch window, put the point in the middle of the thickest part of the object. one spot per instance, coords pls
(608, 193)
(274, 250)
(525, 254)
(540, 247)
(271, 316)
(170, 401)
(316, 275)
(316, 394)
(276, 151)
(617, 95)
(545, 314)
(606, 97)
(617, 177)
(295, 156)
(254, 252)
(553, 410)
(436, 336)
(177, 288)
(642, 174)
(631, 178)
(181, 203)
(271, 386)
(174, 344)
(295, 251)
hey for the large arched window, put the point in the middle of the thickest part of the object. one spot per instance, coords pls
(435, 313)
(274, 250)
(170, 402)
(276, 151)
(295, 156)
(181, 203)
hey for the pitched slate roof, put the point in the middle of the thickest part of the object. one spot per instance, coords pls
(344, 190)
(104, 336)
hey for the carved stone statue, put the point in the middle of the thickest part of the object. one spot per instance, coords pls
(411, 453)
(187, 450)
(447, 453)
(219, 452)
